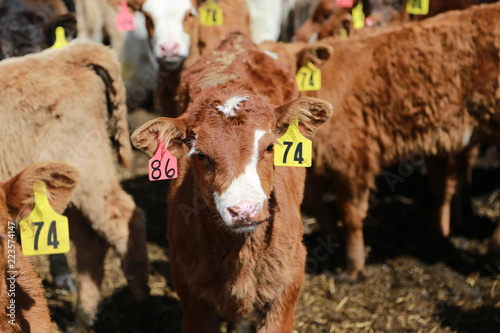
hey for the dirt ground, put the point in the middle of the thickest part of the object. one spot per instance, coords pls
(409, 284)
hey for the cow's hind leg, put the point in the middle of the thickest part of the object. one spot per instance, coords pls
(443, 181)
(91, 251)
(123, 225)
(352, 203)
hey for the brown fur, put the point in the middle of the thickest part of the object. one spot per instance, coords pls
(54, 106)
(16, 201)
(328, 20)
(395, 99)
(249, 279)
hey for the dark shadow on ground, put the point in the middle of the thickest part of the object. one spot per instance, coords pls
(152, 198)
(397, 225)
(120, 313)
(480, 320)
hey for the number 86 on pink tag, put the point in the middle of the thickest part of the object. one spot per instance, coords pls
(163, 165)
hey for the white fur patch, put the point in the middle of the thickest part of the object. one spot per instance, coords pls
(466, 137)
(266, 18)
(313, 39)
(272, 54)
(193, 147)
(168, 18)
(246, 187)
(232, 105)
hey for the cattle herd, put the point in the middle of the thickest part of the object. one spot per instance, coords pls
(379, 81)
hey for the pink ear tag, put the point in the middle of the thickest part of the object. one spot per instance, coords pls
(345, 3)
(125, 20)
(163, 165)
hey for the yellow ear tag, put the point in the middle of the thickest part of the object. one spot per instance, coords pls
(44, 231)
(308, 78)
(60, 38)
(211, 14)
(293, 149)
(343, 34)
(358, 16)
(417, 7)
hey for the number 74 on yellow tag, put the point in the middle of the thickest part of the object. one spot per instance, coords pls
(44, 231)
(293, 149)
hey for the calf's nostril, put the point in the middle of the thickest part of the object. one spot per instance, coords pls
(233, 212)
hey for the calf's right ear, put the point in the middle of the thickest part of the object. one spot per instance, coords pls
(171, 130)
(60, 180)
(309, 111)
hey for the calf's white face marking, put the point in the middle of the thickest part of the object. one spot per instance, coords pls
(246, 188)
(232, 105)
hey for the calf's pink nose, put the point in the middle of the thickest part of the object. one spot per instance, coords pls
(170, 48)
(243, 210)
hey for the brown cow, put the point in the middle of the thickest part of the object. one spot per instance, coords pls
(329, 20)
(235, 229)
(395, 99)
(22, 303)
(69, 104)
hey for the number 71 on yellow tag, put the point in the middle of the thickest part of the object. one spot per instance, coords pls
(417, 7)
(211, 14)
(293, 149)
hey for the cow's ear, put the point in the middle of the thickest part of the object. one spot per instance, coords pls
(60, 180)
(67, 21)
(345, 25)
(317, 53)
(309, 111)
(171, 130)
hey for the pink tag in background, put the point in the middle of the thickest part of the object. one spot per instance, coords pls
(163, 165)
(125, 20)
(345, 3)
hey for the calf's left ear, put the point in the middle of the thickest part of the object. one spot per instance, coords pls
(59, 178)
(309, 111)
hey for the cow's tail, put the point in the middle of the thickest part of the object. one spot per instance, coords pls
(105, 64)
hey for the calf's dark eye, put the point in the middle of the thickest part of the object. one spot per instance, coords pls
(270, 148)
(201, 156)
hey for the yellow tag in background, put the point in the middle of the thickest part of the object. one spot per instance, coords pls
(60, 38)
(293, 149)
(343, 34)
(211, 14)
(308, 78)
(417, 7)
(44, 231)
(358, 16)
